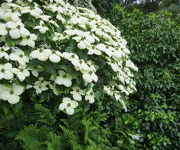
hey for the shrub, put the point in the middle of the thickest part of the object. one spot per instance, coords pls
(52, 46)
(53, 54)
(153, 39)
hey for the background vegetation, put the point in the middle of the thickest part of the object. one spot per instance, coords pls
(152, 120)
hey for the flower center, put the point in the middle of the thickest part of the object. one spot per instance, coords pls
(18, 26)
(69, 105)
(3, 70)
(90, 72)
(72, 56)
(80, 61)
(21, 55)
(41, 50)
(64, 76)
(91, 93)
(11, 92)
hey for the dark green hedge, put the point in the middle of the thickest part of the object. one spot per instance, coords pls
(154, 40)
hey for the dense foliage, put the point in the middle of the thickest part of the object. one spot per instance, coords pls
(154, 40)
(152, 119)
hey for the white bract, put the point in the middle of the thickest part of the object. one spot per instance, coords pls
(11, 93)
(4, 52)
(21, 72)
(55, 57)
(3, 30)
(90, 96)
(77, 93)
(6, 71)
(63, 79)
(90, 76)
(41, 27)
(41, 54)
(68, 105)
(41, 85)
(57, 48)
(19, 56)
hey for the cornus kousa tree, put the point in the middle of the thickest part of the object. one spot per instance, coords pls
(49, 46)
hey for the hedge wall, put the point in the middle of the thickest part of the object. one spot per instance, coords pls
(154, 40)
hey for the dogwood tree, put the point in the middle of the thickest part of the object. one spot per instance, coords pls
(49, 45)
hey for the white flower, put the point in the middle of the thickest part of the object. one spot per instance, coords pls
(42, 28)
(15, 17)
(14, 27)
(80, 65)
(83, 44)
(108, 90)
(59, 17)
(41, 85)
(24, 32)
(52, 7)
(131, 65)
(11, 25)
(63, 79)
(109, 51)
(122, 88)
(101, 47)
(58, 36)
(54, 89)
(135, 136)
(115, 67)
(2, 89)
(3, 30)
(90, 96)
(12, 94)
(90, 76)
(6, 71)
(71, 32)
(15, 33)
(118, 54)
(3, 52)
(77, 93)
(93, 50)
(41, 54)
(29, 40)
(9, 1)
(19, 56)
(34, 73)
(68, 105)
(21, 72)
(70, 56)
(123, 104)
(55, 57)
(36, 12)
(2, 13)
(45, 17)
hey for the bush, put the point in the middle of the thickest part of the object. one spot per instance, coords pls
(53, 54)
(153, 39)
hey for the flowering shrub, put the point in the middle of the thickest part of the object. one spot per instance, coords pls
(53, 46)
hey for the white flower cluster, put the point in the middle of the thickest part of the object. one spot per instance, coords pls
(52, 45)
